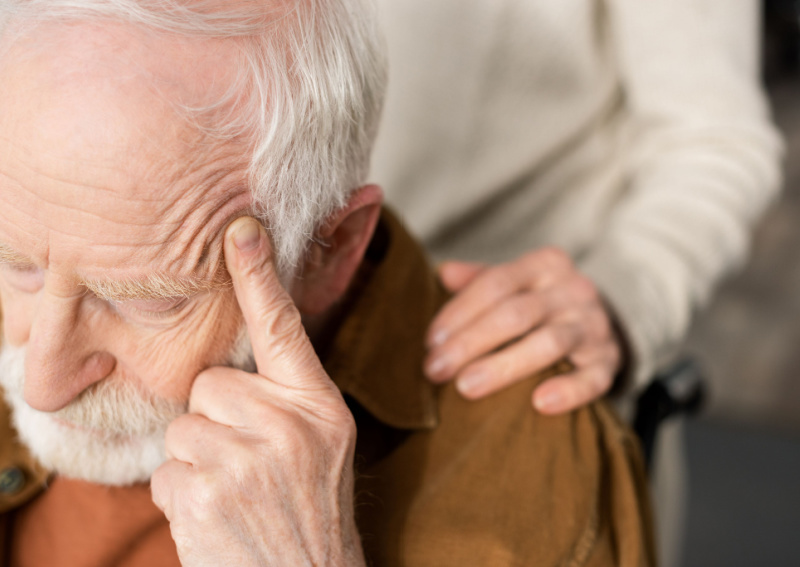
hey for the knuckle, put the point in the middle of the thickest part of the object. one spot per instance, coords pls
(594, 325)
(615, 355)
(554, 257)
(284, 320)
(208, 380)
(257, 266)
(287, 433)
(159, 486)
(175, 431)
(591, 379)
(204, 380)
(160, 491)
(584, 289)
(205, 493)
(286, 444)
(611, 358)
(603, 330)
(183, 429)
(458, 348)
(497, 281)
(601, 381)
(515, 317)
(343, 433)
(265, 414)
(554, 343)
(499, 370)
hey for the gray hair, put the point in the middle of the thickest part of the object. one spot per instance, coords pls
(311, 81)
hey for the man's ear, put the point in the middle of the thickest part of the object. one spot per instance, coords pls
(337, 251)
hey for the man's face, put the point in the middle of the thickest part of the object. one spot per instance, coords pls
(112, 211)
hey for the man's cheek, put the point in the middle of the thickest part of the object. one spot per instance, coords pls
(167, 362)
(163, 363)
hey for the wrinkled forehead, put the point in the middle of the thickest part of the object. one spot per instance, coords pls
(95, 150)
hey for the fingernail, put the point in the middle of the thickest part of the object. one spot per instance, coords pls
(437, 366)
(439, 337)
(470, 383)
(547, 402)
(246, 234)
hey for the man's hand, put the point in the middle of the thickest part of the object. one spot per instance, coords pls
(260, 469)
(510, 321)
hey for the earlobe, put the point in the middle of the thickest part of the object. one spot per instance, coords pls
(336, 253)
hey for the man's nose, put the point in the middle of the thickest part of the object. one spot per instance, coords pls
(60, 360)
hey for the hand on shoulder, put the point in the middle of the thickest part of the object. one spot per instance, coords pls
(510, 321)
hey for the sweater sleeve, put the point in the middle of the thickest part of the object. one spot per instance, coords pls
(702, 159)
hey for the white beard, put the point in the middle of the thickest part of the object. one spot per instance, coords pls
(118, 433)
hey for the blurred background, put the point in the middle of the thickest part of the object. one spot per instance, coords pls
(744, 450)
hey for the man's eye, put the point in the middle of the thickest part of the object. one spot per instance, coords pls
(152, 308)
(23, 277)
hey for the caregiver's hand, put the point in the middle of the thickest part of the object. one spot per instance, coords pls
(510, 321)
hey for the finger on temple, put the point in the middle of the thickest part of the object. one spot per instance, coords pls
(572, 391)
(281, 346)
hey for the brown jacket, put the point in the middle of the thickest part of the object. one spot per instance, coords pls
(443, 481)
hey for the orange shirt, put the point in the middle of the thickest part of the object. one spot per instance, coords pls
(75, 523)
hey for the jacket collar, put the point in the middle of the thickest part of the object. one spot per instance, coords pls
(377, 351)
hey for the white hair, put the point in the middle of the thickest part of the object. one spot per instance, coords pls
(309, 90)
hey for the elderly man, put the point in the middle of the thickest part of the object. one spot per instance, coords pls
(184, 388)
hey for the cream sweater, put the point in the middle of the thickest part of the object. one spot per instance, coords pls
(632, 133)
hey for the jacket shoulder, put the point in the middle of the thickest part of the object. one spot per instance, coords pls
(497, 483)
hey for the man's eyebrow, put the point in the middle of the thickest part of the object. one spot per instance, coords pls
(9, 256)
(154, 286)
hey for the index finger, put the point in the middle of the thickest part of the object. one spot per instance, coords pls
(282, 349)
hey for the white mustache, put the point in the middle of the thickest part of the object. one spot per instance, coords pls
(112, 407)
(118, 438)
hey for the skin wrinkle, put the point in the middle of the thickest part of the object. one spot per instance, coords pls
(207, 184)
(154, 286)
(197, 239)
(70, 203)
(189, 246)
(199, 245)
(63, 180)
(202, 245)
